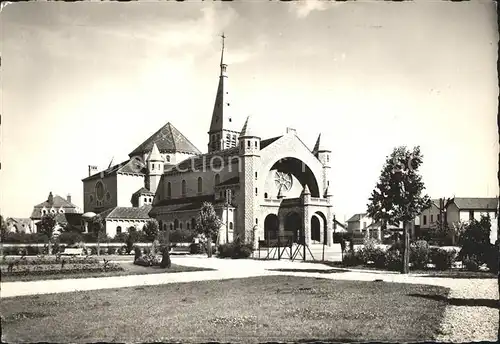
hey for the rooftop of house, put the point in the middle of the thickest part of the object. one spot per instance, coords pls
(127, 213)
(475, 203)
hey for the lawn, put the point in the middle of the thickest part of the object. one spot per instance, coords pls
(128, 269)
(270, 308)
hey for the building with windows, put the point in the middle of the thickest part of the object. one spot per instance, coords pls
(64, 211)
(260, 187)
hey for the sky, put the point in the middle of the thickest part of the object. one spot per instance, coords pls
(84, 83)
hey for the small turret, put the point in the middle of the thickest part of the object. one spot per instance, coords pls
(155, 168)
(306, 194)
(249, 140)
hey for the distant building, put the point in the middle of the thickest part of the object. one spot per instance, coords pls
(119, 219)
(19, 225)
(65, 212)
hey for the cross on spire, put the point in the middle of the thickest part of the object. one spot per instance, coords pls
(222, 54)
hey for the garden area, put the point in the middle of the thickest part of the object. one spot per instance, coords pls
(475, 257)
(269, 308)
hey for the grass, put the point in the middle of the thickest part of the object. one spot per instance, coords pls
(270, 308)
(128, 269)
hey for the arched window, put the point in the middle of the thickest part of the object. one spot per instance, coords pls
(145, 199)
(153, 166)
(187, 225)
(200, 185)
(183, 188)
(180, 225)
(265, 194)
(44, 212)
(176, 224)
(164, 226)
(248, 143)
(255, 175)
(119, 230)
(255, 144)
(169, 190)
(167, 158)
(230, 225)
(193, 223)
(217, 179)
(171, 226)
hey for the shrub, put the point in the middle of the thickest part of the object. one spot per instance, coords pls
(350, 259)
(492, 258)
(31, 250)
(147, 260)
(235, 250)
(393, 260)
(70, 238)
(370, 252)
(182, 235)
(112, 250)
(471, 263)
(165, 258)
(419, 254)
(120, 238)
(197, 248)
(443, 259)
(137, 253)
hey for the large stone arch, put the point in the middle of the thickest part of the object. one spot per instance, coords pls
(302, 174)
(271, 227)
(319, 227)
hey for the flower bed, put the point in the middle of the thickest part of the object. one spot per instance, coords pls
(43, 260)
(52, 269)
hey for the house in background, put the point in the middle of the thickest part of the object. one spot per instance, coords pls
(59, 207)
(465, 209)
(19, 225)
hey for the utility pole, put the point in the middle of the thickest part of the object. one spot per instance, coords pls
(228, 196)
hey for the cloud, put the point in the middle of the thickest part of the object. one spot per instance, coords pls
(302, 8)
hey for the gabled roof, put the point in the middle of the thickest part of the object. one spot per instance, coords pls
(169, 140)
(127, 213)
(132, 166)
(341, 225)
(356, 217)
(58, 202)
(475, 203)
(143, 191)
(230, 181)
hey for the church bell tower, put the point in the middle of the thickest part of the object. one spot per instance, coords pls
(223, 133)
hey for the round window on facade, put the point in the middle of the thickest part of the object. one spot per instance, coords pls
(99, 190)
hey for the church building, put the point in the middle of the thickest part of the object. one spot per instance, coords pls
(260, 187)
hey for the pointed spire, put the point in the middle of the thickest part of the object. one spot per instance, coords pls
(248, 130)
(306, 190)
(222, 65)
(154, 155)
(327, 191)
(320, 146)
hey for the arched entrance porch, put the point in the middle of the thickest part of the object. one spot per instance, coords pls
(271, 227)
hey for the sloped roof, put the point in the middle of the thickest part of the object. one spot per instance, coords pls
(169, 140)
(128, 213)
(356, 217)
(340, 224)
(476, 203)
(133, 166)
(143, 191)
(204, 161)
(189, 203)
(230, 181)
(58, 202)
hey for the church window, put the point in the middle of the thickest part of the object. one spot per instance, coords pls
(230, 119)
(255, 144)
(145, 199)
(193, 223)
(187, 225)
(164, 226)
(180, 225)
(200, 184)
(228, 137)
(119, 230)
(230, 225)
(220, 194)
(169, 190)
(52, 211)
(153, 166)
(171, 226)
(176, 224)
(255, 175)
(217, 179)
(265, 194)
(183, 188)
(256, 192)
(248, 144)
(256, 221)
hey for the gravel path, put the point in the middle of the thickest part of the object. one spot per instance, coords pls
(465, 323)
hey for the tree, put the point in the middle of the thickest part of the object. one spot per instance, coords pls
(3, 233)
(475, 240)
(445, 232)
(98, 231)
(397, 196)
(47, 225)
(151, 229)
(208, 224)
